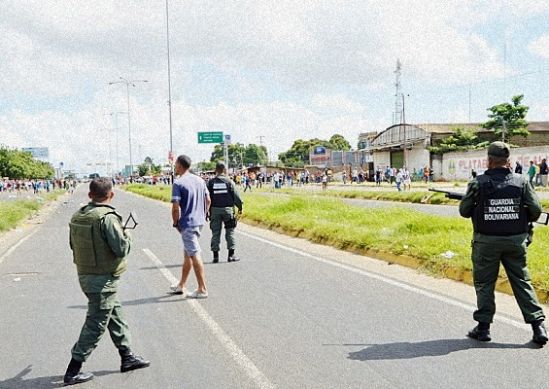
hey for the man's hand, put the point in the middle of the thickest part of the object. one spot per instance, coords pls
(176, 226)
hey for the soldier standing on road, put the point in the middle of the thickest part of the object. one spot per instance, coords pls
(190, 203)
(501, 204)
(100, 246)
(224, 198)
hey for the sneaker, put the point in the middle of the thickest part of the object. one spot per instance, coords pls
(176, 289)
(197, 295)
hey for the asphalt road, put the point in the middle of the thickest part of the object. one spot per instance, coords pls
(289, 315)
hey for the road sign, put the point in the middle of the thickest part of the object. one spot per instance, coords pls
(210, 137)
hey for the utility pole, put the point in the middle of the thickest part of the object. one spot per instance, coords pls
(128, 83)
(170, 155)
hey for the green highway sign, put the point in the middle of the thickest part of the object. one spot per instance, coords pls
(210, 137)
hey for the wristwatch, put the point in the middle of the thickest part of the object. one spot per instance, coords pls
(175, 225)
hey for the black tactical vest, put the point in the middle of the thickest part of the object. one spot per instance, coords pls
(221, 192)
(500, 209)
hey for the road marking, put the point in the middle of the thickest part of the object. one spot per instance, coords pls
(14, 247)
(390, 281)
(236, 353)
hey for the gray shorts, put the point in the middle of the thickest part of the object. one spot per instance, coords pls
(190, 237)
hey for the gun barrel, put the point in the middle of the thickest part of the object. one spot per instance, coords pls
(450, 195)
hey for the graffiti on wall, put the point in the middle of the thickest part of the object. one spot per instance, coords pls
(460, 165)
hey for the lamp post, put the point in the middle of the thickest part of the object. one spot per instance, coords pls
(404, 124)
(171, 156)
(116, 128)
(128, 83)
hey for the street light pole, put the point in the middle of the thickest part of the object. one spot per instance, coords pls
(116, 128)
(128, 83)
(169, 90)
(404, 122)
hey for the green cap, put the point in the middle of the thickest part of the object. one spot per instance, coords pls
(499, 150)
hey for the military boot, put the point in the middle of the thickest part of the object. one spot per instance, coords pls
(130, 361)
(232, 257)
(481, 332)
(73, 375)
(540, 334)
(216, 256)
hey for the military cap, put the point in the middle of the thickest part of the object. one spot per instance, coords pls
(498, 150)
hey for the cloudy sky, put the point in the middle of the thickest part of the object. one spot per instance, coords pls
(262, 71)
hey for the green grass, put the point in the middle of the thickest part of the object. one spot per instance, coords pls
(394, 230)
(422, 197)
(12, 213)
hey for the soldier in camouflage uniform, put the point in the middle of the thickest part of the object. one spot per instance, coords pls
(100, 246)
(501, 205)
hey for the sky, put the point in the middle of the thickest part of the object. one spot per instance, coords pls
(265, 72)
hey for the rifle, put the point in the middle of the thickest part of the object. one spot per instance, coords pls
(543, 219)
(449, 194)
(131, 222)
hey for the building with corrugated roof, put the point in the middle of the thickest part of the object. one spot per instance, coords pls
(406, 144)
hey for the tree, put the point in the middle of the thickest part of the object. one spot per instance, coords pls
(461, 139)
(338, 142)
(255, 155)
(21, 165)
(240, 155)
(508, 120)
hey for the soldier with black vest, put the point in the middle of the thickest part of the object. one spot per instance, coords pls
(100, 246)
(501, 204)
(224, 198)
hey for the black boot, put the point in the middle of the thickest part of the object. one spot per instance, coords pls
(216, 256)
(131, 361)
(481, 332)
(73, 375)
(540, 334)
(232, 256)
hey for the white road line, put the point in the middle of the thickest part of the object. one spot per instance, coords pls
(402, 285)
(14, 247)
(236, 353)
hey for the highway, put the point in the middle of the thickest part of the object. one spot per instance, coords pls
(290, 314)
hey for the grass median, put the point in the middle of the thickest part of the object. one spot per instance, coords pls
(419, 197)
(12, 213)
(436, 244)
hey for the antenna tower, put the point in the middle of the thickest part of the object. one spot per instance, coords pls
(397, 114)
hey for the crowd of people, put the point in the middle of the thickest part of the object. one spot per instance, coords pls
(402, 178)
(35, 186)
(537, 172)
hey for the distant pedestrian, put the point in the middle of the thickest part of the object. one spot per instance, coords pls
(100, 246)
(190, 203)
(378, 176)
(543, 171)
(518, 167)
(246, 180)
(406, 179)
(398, 180)
(531, 173)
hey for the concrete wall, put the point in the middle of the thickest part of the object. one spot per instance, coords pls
(418, 157)
(382, 159)
(458, 165)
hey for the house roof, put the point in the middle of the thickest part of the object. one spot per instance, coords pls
(447, 128)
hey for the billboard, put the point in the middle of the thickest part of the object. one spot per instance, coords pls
(41, 153)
